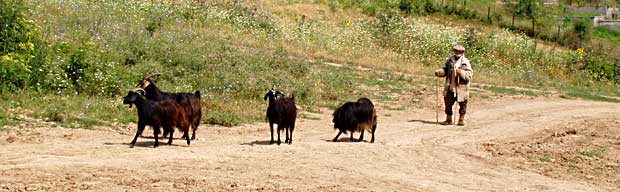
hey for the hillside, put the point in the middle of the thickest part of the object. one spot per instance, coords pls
(86, 55)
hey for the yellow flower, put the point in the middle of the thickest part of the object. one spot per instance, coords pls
(348, 22)
(90, 44)
(6, 58)
(30, 46)
(580, 53)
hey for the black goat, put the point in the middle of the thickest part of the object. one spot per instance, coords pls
(281, 111)
(189, 102)
(166, 113)
(356, 116)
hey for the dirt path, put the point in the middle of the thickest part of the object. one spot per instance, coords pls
(411, 154)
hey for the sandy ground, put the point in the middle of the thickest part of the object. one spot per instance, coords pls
(411, 153)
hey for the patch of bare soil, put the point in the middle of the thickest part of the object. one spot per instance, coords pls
(586, 149)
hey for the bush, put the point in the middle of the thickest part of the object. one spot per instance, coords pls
(20, 47)
(598, 68)
(418, 7)
(583, 29)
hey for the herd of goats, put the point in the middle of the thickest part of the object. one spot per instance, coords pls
(165, 110)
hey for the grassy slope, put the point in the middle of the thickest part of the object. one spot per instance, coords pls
(233, 52)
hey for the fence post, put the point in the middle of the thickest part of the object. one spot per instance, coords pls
(533, 27)
(513, 21)
(464, 4)
(489, 14)
(616, 73)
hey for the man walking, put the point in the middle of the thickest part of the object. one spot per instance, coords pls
(458, 73)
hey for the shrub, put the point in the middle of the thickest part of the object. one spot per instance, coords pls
(598, 69)
(418, 7)
(19, 45)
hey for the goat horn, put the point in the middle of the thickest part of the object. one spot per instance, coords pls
(151, 75)
(138, 89)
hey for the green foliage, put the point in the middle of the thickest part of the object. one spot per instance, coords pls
(606, 34)
(583, 29)
(591, 96)
(221, 118)
(462, 12)
(598, 68)
(592, 154)
(418, 7)
(526, 8)
(19, 45)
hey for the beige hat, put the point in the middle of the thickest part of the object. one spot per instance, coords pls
(458, 48)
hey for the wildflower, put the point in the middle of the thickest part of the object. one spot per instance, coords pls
(6, 58)
(580, 53)
(89, 44)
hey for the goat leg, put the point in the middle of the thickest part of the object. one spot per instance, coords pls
(279, 141)
(290, 141)
(165, 134)
(352, 136)
(194, 127)
(286, 141)
(186, 135)
(156, 133)
(138, 133)
(336, 138)
(361, 136)
(171, 131)
(271, 126)
(374, 127)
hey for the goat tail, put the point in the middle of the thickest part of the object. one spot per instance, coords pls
(197, 93)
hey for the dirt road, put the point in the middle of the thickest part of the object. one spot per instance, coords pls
(411, 153)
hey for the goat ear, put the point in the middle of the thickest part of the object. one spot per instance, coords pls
(280, 93)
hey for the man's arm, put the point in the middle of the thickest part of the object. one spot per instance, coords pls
(445, 70)
(465, 71)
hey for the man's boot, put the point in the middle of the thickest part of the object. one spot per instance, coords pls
(448, 120)
(461, 120)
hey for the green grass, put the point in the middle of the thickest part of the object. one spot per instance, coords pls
(590, 96)
(67, 110)
(583, 14)
(598, 92)
(606, 34)
(398, 108)
(545, 158)
(592, 154)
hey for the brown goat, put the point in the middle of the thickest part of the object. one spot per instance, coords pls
(281, 111)
(166, 113)
(189, 102)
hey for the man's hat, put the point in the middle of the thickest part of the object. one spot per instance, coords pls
(458, 48)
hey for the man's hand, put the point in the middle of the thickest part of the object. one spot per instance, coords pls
(439, 73)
